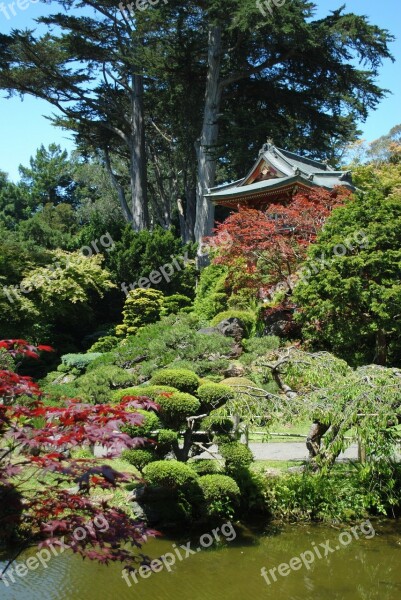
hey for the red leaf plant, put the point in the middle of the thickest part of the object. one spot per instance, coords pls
(35, 444)
(267, 247)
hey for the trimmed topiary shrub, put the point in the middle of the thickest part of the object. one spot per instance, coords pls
(213, 395)
(142, 306)
(79, 361)
(165, 437)
(150, 423)
(181, 379)
(150, 391)
(170, 474)
(221, 495)
(176, 407)
(237, 456)
(245, 316)
(176, 303)
(138, 458)
(204, 466)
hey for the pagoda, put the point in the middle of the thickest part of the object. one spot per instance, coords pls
(275, 177)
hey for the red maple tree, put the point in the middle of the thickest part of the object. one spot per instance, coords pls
(35, 444)
(270, 245)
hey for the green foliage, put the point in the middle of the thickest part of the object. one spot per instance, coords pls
(237, 456)
(351, 306)
(216, 423)
(96, 386)
(204, 466)
(170, 474)
(245, 316)
(176, 303)
(211, 295)
(141, 307)
(175, 408)
(78, 361)
(138, 458)
(308, 497)
(213, 395)
(221, 494)
(138, 254)
(149, 391)
(256, 347)
(181, 379)
(104, 344)
(149, 423)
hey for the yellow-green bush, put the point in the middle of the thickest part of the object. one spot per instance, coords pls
(183, 380)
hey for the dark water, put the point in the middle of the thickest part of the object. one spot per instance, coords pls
(366, 569)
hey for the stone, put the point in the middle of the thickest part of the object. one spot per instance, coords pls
(232, 327)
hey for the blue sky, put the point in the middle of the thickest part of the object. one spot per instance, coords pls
(23, 126)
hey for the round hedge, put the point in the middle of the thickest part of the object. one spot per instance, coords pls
(170, 474)
(150, 391)
(221, 495)
(138, 458)
(236, 456)
(176, 407)
(182, 379)
(150, 423)
(205, 466)
(165, 437)
(213, 395)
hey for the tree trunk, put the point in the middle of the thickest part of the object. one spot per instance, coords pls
(138, 178)
(381, 348)
(208, 139)
(314, 438)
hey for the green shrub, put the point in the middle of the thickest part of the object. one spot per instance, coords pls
(170, 474)
(96, 386)
(181, 379)
(165, 437)
(237, 456)
(256, 347)
(142, 306)
(204, 466)
(79, 361)
(150, 423)
(175, 409)
(211, 294)
(150, 391)
(105, 344)
(213, 395)
(138, 458)
(221, 494)
(173, 304)
(247, 317)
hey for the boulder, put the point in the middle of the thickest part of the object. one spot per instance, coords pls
(232, 327)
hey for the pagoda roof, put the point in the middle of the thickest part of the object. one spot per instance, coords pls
(278, 169)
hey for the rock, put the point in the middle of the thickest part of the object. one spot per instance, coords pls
(281, 324)
(234, 370)
(232, 327)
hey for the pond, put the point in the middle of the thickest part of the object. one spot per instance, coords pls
(364, 564)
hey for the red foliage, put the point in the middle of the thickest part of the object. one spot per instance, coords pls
(39, 438)
(273, 243)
